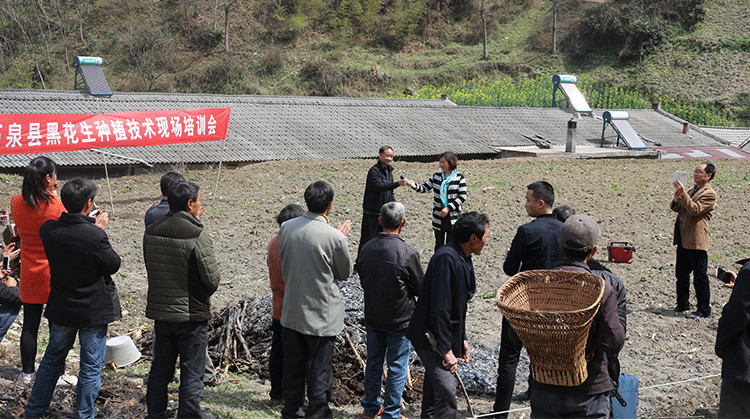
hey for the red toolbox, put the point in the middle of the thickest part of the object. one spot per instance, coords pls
(621, 252)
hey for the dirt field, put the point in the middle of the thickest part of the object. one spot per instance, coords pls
(629, 198)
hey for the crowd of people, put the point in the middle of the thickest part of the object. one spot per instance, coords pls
(61, 265)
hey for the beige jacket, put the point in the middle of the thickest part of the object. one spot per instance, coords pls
(697, 211)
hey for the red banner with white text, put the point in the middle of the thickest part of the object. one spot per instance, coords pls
(45, 133)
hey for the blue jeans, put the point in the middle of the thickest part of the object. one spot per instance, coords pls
(93, 344)
(7, 316)
(392, 347)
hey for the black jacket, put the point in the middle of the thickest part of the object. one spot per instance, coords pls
(448, 286)
(378, 189)
(536, 246)
(391, 275)
(733, 334)
(81, 261)
(9, 296)
(606, 338)
(619, 287)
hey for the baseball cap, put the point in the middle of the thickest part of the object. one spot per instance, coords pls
(580, 233)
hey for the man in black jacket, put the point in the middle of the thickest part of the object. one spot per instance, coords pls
(448, 286)
(378, 191)
(536, 246)
(391, 276)
(83, 298)
(733, 347)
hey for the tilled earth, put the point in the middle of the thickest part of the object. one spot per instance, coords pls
(629, 198)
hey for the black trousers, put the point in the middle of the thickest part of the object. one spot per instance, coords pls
(189, 341)
(370, 229)
(276, 360)
(32, 317)
(507, 364)
(547, 404)
(695, 261)
(445, 234)
(439, 389)
(308, 359)
(734, 402)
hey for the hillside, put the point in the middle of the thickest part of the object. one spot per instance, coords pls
(683, 49)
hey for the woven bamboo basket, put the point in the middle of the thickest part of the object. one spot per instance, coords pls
(551, 311)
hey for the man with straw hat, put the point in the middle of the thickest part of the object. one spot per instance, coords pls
(578, 239)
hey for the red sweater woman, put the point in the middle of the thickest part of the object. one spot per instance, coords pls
(37, 203)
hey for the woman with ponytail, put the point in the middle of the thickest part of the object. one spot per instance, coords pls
(37, 203)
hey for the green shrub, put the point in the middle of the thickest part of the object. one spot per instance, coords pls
(537, 92)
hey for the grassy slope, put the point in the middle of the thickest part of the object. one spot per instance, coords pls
(693, 66)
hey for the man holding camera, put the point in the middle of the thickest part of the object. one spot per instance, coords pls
(182, 275)
(694, 210)
(83, 298)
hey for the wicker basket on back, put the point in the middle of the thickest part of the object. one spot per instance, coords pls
(551, 311)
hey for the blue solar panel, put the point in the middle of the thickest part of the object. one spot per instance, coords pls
(90, 71)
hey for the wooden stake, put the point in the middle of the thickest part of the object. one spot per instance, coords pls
(221, 159)
(356, 352)
(109, 187)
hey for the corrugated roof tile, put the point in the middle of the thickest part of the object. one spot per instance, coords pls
(279, 127)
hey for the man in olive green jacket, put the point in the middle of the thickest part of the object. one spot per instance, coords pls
(182, 276)
(314, 256)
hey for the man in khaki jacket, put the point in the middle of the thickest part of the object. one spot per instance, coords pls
(694, 209)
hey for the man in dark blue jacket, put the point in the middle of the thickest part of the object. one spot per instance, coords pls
(448, 286)
(733, 347)
(157, 212)
(536, 246)
(391, 276)
(378, 191)
(83, 298)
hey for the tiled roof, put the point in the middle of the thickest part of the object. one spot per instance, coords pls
(275, 127)
(736, 136)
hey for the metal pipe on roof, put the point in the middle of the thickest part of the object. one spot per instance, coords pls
(123, 157)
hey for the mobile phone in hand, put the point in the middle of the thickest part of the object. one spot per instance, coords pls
(6, 262)
(95, 211)
(722, 275)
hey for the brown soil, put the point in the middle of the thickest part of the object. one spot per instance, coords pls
(629, 198)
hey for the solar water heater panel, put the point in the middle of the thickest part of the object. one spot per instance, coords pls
(628, 135)
(575, 97)
(95, 80)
